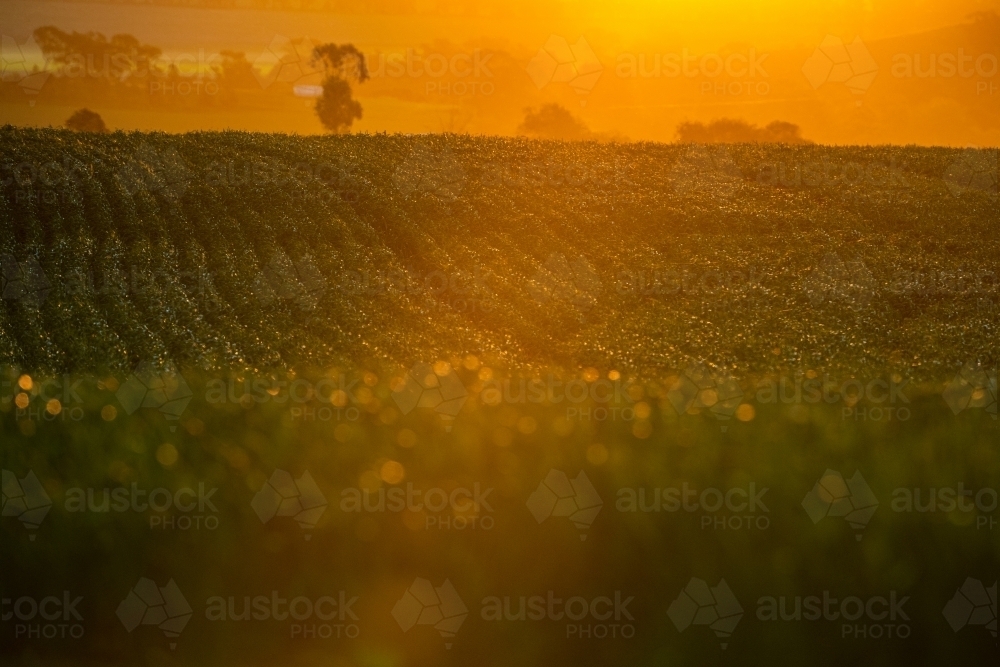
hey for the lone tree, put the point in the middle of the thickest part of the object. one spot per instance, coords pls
(553, 121)
(85, 120)
(336, 109)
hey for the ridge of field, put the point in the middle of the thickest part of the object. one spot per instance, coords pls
(237, 250)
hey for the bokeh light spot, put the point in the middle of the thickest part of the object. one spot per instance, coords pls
(166, 454)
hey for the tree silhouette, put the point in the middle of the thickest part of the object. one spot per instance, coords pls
(336, 109)
(553, 121)
(85, 120)
(738, 131)
(76, 52)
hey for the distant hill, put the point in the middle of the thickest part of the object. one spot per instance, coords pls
(335, 6)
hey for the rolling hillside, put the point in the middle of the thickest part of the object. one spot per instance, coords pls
(234, 250)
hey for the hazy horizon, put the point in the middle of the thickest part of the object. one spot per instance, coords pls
(921, 74)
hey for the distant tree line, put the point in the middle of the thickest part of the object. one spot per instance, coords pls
(90, 68)
(339, 6)
(735, 131)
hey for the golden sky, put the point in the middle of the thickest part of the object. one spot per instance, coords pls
(794, 43)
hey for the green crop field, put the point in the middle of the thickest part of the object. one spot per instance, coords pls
(233, 250)
(809, 329)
